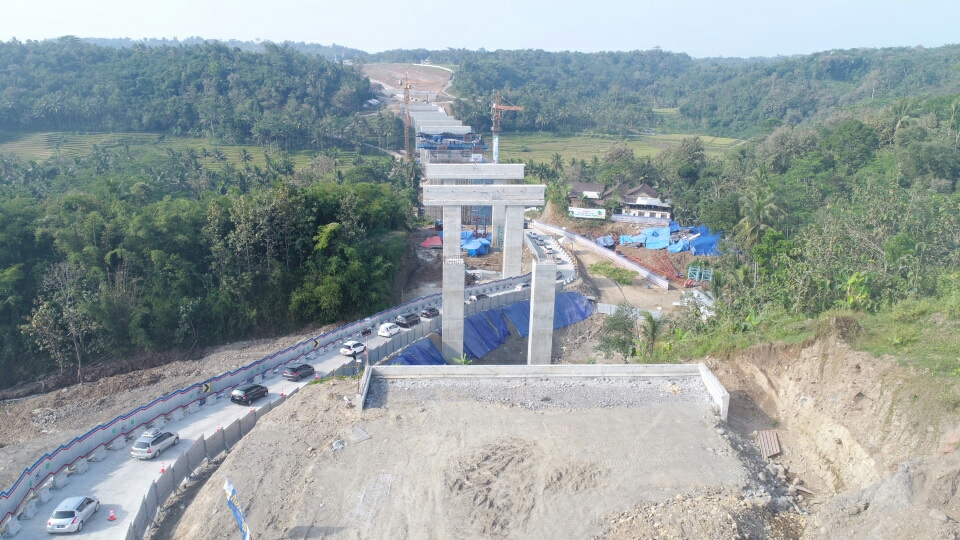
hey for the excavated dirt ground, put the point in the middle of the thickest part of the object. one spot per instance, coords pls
(872, 444)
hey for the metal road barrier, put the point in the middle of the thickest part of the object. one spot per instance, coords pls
(49, 465)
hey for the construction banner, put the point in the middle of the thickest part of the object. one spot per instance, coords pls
(234, 503)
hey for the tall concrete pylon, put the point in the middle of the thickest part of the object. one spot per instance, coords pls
(512, 197)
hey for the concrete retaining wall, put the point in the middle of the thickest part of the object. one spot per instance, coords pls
(721, 397)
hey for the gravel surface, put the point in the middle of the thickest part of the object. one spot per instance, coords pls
(542, 393)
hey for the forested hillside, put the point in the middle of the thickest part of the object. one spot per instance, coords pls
(629, 92)
(280, 96)
(138, 247)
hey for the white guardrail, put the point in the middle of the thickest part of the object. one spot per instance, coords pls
(620, 260)
(47, 467)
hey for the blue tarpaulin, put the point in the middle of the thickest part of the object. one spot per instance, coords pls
(624, 239)
(674, 226)
(482, 333)
(421, 353)
(519, 315)
(657, 237)
(605, 241)
(570, 307)
(677, 247)
(705, 244)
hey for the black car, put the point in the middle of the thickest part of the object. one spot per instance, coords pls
(297, 372)
(429, 313)
(406, 320)
(247, 393)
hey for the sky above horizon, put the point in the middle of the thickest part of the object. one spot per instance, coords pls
(700, 28)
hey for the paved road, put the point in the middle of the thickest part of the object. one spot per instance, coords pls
(120, 481)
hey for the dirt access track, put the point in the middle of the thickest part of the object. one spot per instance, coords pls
(424, 80)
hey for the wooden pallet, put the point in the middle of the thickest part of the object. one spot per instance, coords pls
(769, 443)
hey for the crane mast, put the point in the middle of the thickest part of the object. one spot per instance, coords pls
(497, 108)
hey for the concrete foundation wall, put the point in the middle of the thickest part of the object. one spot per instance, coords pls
(721, 397)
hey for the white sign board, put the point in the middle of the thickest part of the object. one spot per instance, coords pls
(587, 213)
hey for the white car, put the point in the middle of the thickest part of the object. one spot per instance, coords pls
(352, 347)
(521, 286)
(152, 442)
(70, 515)
(388, 329)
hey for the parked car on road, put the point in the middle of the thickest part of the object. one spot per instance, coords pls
(152, 442)
(429, 313)
(297, 372)
(388, 329)
(521, 286)
(352, 347)
(476, 298)
(406, 320)
(71, 513)
(247, 393)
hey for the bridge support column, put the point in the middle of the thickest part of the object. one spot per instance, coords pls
(452, 322)
(513, 242)
(543, 297)
(451, 232)
(496, 224)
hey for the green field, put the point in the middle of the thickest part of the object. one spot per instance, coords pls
(41, 146)
(540, 147)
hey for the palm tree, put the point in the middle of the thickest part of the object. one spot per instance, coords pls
(758, 207)
(245, 156)
(557, 162)
(650, 330)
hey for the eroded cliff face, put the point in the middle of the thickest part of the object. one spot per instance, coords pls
(875, 441)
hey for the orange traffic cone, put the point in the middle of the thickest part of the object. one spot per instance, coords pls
(218, 427)
(112, 517)
(163, 467)
(316, 375)
(282, 393)
(251, 407)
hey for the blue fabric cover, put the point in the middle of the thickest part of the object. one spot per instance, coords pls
(519, 315)
(481, 335)
(657, 237)
(605, 241)
(705, 245)
(570, 307)
(677, 247)
(674, 226)
(465, 235)
(624, 239)
(421, 353)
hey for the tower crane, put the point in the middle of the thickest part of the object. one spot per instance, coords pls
(406, 120)
(497, 108)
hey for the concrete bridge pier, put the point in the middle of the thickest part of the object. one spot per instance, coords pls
(452, 304)
(513, 242)
(543, 297)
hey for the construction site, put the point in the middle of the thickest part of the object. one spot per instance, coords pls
(498, 419)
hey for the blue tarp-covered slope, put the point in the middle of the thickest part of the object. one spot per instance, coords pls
(570, 307)
(484, 332)
(421, 353)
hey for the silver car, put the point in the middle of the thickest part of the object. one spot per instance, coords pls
(70, 515)
(152, 442)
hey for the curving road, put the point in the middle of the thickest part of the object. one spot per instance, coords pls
(121, 482)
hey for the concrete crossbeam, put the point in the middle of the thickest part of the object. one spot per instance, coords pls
(543, 297)
(483, 195)
(437, 129)
(474, 171)
(513, 241)
(453, 289)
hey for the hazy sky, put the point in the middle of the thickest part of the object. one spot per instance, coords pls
(697, 27)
